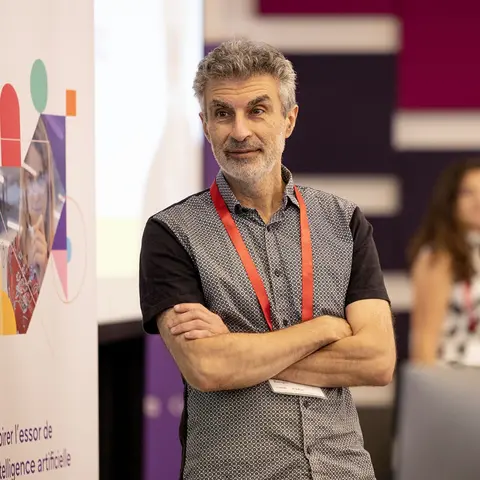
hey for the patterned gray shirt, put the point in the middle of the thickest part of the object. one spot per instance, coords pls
(253, 433)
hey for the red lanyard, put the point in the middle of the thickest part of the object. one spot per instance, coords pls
(253, 275)
(472, 318)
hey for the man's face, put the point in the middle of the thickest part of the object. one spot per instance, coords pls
(244, 122)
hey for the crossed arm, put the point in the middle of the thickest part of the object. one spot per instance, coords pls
(325, 351)
(367, 357)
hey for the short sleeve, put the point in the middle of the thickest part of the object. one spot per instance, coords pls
(366, 277)
(167, 274)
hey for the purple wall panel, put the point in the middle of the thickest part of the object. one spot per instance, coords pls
(402, 325)
(346, 103)
(276, 7)
(162, 407)
(389, 243)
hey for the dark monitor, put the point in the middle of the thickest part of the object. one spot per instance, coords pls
(439, 424)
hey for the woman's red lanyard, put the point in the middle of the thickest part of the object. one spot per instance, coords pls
(472, 318)
(253, 275)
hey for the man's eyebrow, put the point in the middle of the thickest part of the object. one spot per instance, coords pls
(260, 99)
(219, 103)
(216, 103)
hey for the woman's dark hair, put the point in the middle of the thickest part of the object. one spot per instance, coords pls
(440, 229)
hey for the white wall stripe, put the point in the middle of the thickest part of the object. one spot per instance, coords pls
(374, 396)
(376, 195)
(351, 34)
(439, 130)
(398, 287)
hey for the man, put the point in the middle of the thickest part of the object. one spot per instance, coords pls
(263, 291)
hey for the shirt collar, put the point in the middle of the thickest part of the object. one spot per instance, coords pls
(234, 205)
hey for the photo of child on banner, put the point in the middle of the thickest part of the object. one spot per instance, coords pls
(31, 199)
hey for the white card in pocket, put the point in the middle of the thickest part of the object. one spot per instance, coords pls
(289, 388)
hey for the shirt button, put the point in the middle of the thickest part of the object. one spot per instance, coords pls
(277, 272)
(306, 403)
(309, 450)
(285, 322)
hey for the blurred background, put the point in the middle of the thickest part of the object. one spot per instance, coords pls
(389, 96)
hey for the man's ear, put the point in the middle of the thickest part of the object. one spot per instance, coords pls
(203, 118)
(291, 120)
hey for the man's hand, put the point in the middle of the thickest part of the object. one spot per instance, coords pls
(195, 321)
(341, 327)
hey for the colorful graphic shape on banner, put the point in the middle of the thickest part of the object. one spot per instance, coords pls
(9, 127)
(33, 207)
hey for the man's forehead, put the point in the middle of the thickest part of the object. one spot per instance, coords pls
(238, 92)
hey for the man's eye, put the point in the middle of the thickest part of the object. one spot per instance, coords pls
(258, 111)
(221, 114)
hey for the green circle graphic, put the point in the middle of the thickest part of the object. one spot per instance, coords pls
(39, 86)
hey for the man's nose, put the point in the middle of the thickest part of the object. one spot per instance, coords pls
(240, 130)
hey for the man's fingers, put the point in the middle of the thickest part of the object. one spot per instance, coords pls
(189, 326)
(196, 334)
(186, 307)
(177, 319)
(190, 315)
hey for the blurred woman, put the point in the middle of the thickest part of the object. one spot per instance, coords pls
(31, 248)
(445, 267)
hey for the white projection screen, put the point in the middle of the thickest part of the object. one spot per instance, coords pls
(148, 142)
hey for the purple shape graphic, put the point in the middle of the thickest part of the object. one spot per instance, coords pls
(163, 388)
(60, 239)
(56, 135)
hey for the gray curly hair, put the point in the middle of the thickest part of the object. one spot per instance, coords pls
(242, 59)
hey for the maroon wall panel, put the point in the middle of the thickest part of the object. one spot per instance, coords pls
(302, 7)
(439, 63)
